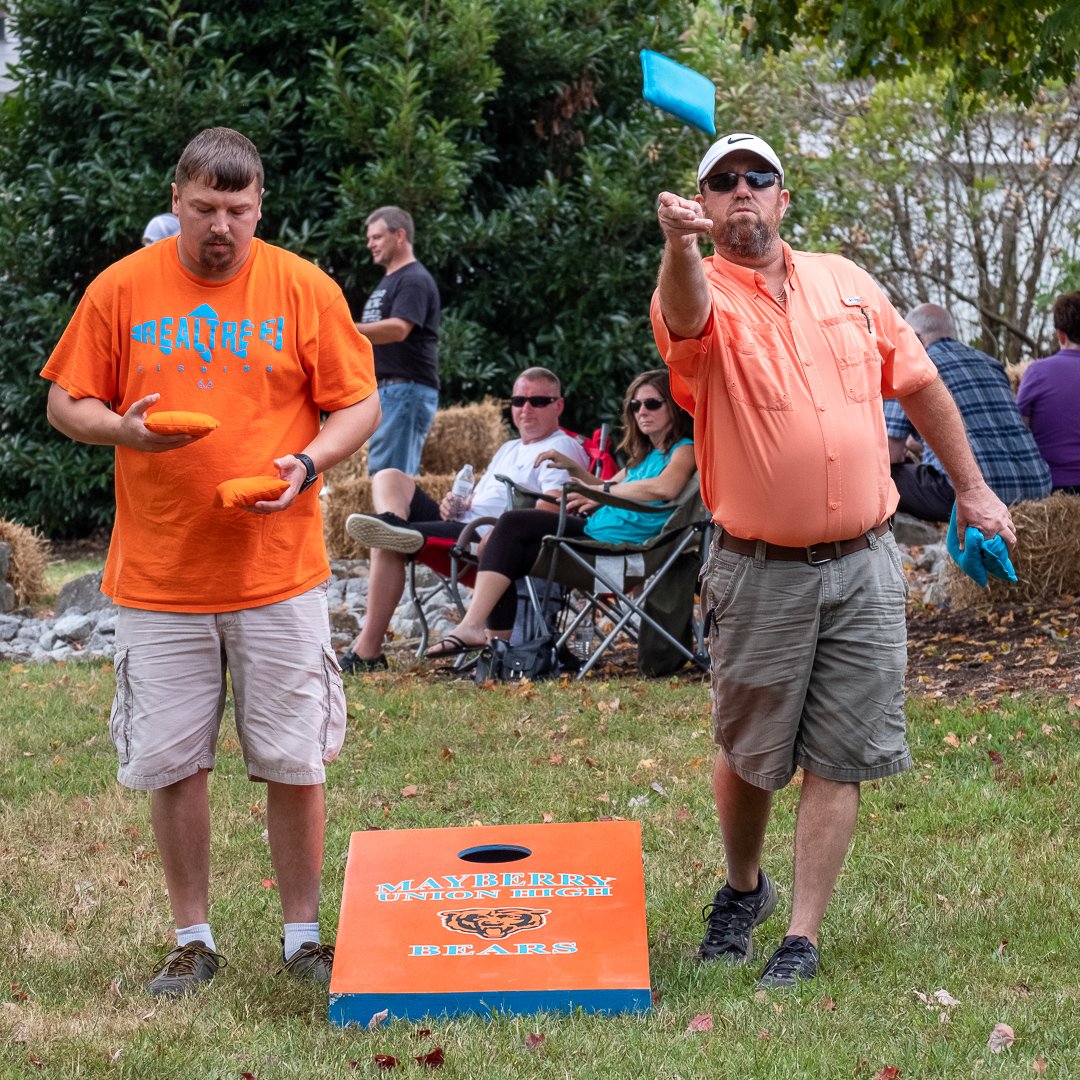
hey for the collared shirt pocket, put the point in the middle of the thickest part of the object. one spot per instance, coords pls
(854, 348)
(758, 370)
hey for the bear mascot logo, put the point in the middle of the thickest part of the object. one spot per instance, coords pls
(494, 923)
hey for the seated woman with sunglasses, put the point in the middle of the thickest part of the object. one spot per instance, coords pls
(660, 458)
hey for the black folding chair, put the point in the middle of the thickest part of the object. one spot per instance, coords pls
(643, 591)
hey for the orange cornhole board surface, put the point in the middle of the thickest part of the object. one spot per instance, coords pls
(508, 918)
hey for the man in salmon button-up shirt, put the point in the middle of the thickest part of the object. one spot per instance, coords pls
(783, 358)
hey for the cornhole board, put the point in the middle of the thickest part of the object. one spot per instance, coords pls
(500, 918)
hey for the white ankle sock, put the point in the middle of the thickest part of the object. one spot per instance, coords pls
(185, 935)
(296, 933)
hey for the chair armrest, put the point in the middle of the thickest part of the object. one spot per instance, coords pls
(468, 535)
(522, 498)
(606, 498)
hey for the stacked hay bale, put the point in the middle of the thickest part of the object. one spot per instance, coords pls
(24, 554)
(1046, 557)
(462, 434)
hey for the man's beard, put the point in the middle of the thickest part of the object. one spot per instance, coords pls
(217, 256)
(745, 239)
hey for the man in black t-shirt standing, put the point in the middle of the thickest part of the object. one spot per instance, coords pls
(401, 320)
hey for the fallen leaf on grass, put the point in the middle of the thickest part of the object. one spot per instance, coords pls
(1001, 1038)
(534, 1041)
(383, 1061)
(701, 1022)
(36, 1062)
(763, 1035)
(1038, 1066)
(827, 1003)
(943, 997)
(889, 1072)
(433, 1059)
(377, 1019)
(1000, 950)
(995, 757)
(951, 740)
(269, 883)
(659, 789)
(409, 791)
(547, 817)
(556, 759)
(446, 754)
(18, 994)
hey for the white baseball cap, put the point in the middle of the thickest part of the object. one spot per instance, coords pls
(729, 144)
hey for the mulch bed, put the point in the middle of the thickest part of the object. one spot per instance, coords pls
(987, 653)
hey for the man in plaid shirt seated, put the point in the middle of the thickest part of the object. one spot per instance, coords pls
(1002, 444)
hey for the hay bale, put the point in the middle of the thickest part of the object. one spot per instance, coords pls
(352, 495)
(29, 557)
(464, 434)
(1046, 557)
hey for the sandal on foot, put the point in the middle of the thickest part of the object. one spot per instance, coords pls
(451, 645)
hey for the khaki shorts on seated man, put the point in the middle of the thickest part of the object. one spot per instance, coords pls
(405, 516)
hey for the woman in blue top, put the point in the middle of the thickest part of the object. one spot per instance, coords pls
(660, 460)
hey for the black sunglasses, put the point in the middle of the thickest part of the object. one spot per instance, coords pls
(729, 181)
(536, 401)
(652, 404)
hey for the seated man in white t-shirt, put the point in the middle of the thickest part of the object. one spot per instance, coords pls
(405, 516)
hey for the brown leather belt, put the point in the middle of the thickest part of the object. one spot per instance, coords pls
(822, 552)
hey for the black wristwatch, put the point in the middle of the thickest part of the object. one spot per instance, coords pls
(312, 475)
(607, 485)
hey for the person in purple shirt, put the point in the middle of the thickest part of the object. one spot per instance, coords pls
(1048, 395)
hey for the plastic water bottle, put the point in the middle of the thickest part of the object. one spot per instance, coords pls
(460, 492)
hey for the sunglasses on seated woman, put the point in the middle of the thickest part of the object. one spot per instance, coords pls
(729, 181)
(652, 404)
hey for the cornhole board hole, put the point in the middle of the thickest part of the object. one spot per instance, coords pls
(503, 918)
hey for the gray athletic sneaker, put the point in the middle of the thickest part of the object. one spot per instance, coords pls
(185, 969)
(795, 961)
(730, 922)
(311, 961)
(384, 531)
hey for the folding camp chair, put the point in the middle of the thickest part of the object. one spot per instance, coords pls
(644, 591)
(453, 563)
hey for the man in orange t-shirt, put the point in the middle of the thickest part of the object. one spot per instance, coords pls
(215, 321)
(783, 358)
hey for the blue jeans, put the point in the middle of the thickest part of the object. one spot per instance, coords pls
(408, 411)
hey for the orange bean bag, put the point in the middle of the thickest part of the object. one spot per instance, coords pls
(248, 490)
(181, 423)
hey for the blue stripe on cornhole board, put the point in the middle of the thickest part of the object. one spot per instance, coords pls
(348, 1009)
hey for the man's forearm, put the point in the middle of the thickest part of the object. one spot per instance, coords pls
(938, 420)
(86, 420)
(344, 432)
(385, 331)
(683, 289)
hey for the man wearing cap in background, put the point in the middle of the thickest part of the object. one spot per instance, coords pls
(160, 227)
(783, 358)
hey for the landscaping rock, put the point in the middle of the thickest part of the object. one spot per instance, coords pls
(74, 626)
(5, 559)
(7, 596)
(83, 593)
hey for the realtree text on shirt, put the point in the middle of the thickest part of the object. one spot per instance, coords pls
(788, 423)
(262, 353)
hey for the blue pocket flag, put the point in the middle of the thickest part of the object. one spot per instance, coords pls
(979, 557)
(679, 90)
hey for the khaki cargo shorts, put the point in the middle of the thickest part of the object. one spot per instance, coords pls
(171, 683)
(808, 664)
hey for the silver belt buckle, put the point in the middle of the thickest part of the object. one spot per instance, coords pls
(829, 545)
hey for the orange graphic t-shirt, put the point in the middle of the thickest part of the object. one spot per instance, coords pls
(263, 353)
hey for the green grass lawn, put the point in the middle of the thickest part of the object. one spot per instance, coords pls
(962, 878)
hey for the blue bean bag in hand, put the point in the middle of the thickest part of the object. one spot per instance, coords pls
(980, 556)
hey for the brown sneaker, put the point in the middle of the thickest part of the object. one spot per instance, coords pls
(185, 969)
(311, 961)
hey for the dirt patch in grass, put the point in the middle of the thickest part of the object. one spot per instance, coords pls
(986, 653)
